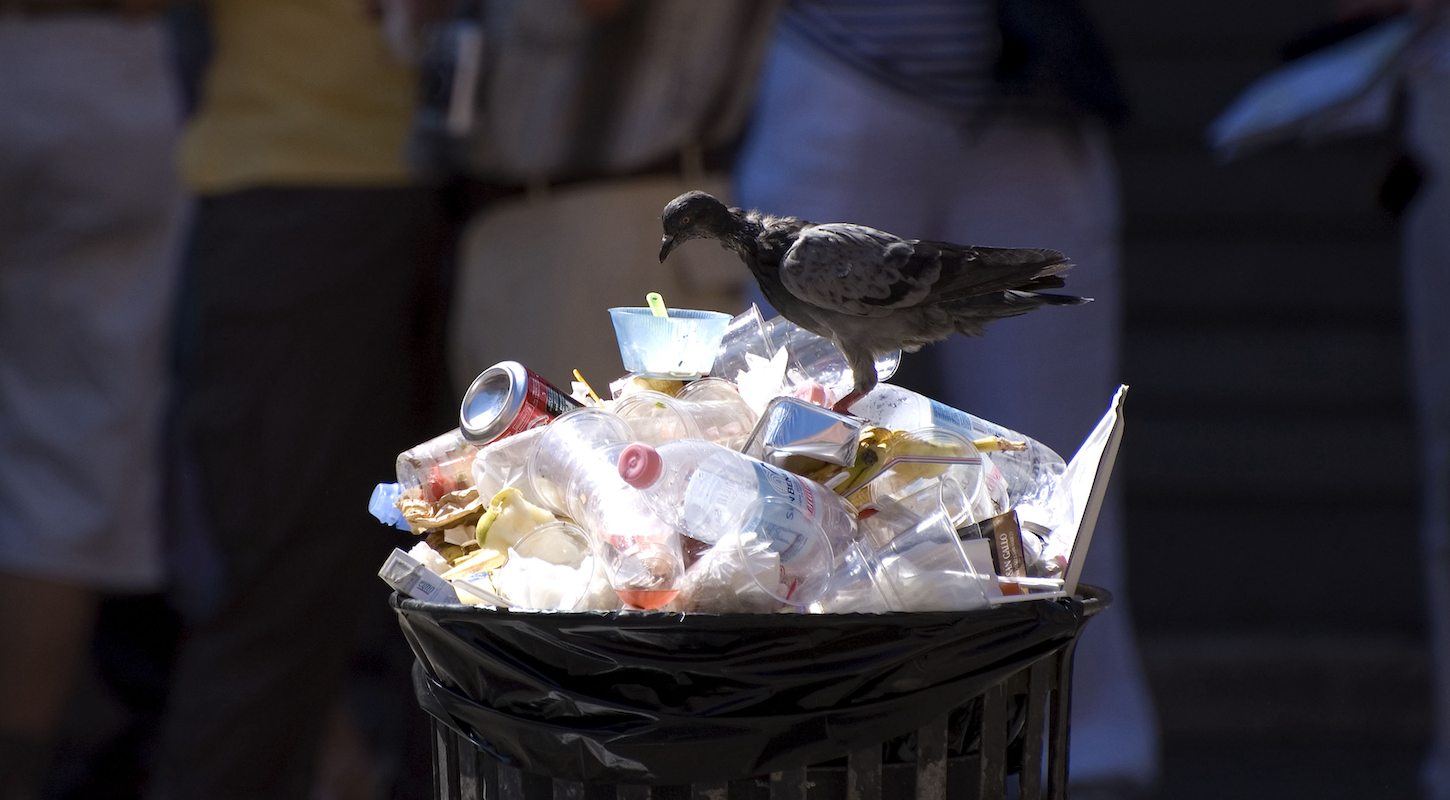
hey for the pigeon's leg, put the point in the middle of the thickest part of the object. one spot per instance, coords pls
(863, 369)
(843, 406)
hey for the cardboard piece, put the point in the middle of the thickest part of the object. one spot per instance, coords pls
(1087, 479)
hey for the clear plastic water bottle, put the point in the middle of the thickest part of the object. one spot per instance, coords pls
(573, 471)
(713, 495)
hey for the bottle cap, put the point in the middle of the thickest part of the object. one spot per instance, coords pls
(640, 465)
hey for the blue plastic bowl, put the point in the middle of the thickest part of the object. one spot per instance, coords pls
(680, 346)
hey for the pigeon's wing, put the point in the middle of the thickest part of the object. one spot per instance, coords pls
(971, 271)
(857, 270)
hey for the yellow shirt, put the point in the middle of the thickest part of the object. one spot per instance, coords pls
(298, 93)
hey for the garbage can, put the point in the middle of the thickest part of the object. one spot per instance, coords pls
(661, 706)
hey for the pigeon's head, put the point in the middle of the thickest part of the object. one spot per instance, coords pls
(693, 215)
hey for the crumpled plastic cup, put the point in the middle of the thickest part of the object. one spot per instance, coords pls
(746, 334)
(815, 367)
(680, 346)
(655, 417)
(559, 571)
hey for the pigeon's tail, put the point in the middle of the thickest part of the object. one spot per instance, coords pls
(971, 316)
(973, 271)
(1056, 299)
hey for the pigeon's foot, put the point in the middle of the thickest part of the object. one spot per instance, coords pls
(843, 406)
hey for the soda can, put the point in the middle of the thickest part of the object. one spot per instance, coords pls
(508, 398)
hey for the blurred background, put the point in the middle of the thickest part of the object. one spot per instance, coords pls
(1269, 460)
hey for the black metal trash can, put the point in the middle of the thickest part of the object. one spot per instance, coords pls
(659, 706)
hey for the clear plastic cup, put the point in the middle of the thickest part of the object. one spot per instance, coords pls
(858, 585)
(552, 567)
(681, 345)
(813, 359)
(577, 442)
(655, 417)
(921, 558)
(745, 335)
(719, 411)
(562, 543)
(708, 409)
(643, 559)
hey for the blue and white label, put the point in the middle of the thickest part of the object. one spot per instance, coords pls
(723, 487)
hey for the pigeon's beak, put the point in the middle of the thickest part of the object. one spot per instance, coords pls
(666, 245)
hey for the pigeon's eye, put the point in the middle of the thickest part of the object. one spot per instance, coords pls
(685, 220)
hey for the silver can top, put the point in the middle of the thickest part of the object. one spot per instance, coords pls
(492, 401)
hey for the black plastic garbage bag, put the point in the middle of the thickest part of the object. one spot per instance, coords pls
(653, 697)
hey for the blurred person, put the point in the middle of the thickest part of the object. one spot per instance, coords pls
(591, 116)
(1425, 261)
(89, 227)
(309, 356)
(1418, 190)
(981, 123)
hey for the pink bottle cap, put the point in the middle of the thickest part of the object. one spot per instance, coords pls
(640, 465)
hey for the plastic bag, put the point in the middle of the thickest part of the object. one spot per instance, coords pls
(653, 697)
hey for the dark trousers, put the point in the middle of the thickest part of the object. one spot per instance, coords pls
(310, 354)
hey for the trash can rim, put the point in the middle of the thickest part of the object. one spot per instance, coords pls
(1092, 598)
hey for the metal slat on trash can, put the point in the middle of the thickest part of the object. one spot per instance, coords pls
(464, 772)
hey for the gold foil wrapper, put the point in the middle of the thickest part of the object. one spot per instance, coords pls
(462, 507)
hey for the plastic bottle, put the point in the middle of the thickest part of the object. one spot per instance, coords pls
(573, 471)
(713, 494)
(705, 487)
(437, 467)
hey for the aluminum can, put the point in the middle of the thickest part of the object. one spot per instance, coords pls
(508, 398)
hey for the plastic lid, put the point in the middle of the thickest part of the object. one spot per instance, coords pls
(640, 465)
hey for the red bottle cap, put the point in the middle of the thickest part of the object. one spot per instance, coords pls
(640, 465)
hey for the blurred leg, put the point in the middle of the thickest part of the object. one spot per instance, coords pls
(1051, 375)
(295, 399)
(45, 627)
(88, 230)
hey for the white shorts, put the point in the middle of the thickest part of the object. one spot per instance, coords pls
(89, 229)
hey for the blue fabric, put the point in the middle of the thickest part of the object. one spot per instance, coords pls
(940, 51)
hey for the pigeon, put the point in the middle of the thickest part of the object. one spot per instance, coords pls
(867, 290)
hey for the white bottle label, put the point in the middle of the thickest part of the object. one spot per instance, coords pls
(718, 493)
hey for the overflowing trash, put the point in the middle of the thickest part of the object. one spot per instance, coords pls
(714, 477)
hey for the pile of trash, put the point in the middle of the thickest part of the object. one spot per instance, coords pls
(716, 478)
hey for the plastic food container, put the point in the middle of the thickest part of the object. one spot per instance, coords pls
(681, 345)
